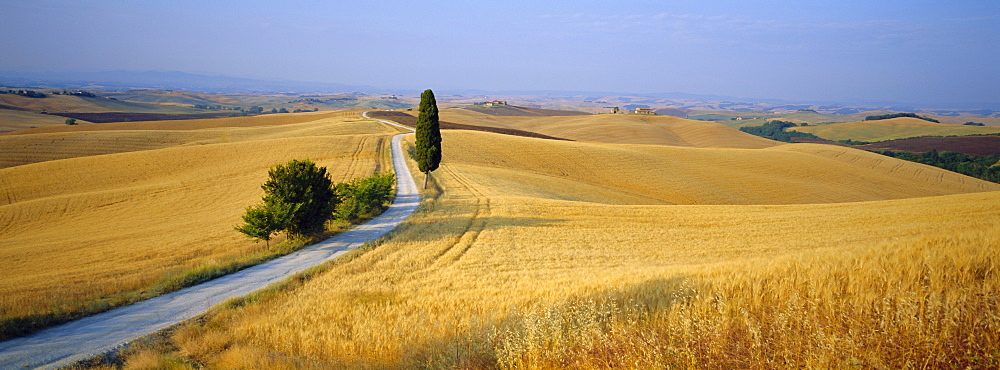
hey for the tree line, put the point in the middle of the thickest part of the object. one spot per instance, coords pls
(775, 130)
(981, 167)
(897, 115)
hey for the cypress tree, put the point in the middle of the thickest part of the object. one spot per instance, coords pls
(428, 145)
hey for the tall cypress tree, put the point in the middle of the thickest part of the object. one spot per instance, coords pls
(428, 150)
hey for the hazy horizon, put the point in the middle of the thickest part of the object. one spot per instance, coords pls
(924, 53)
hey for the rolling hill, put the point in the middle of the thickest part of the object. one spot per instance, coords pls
(889, 129)
(621, 129)
(91, 213)
(647, 240)
(533, 253)
(81, 104)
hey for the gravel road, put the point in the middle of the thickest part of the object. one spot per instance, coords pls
(99, 334)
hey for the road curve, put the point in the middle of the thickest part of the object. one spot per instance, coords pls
(99, 334)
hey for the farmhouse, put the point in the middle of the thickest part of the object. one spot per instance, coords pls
(495, 103)
(642, 110)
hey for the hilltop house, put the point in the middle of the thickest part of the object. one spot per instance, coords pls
(642, 110)
(495, 103)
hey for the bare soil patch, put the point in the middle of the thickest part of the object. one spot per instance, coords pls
(971, 145)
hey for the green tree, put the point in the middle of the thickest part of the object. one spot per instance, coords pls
(71, 121)
(262, 220)
(364, 197)
(428, 145)
(308, 189)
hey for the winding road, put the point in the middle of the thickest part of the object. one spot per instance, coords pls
(105, 332)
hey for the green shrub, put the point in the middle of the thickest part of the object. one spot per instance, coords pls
(364, 197)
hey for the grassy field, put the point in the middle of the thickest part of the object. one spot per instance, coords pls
(889, 129)
(95, 215)
(519, 259)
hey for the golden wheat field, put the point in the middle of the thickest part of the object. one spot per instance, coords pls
(889, 129)
(88, 215)
(811, 256)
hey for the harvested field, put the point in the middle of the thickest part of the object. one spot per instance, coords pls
(889, 129)
(971, 145)
(485, 278)
(95, 217)
(621, 129)
(655, 174)
(15, 119)
(194, 124)
(104, 117)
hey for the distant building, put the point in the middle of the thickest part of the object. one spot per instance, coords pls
(642, 110)
(495, 103)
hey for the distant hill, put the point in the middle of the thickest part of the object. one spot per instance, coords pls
(621, 129)
(889, 129)
(128, 80)
(510, 110)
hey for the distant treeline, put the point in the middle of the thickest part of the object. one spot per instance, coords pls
(897, 115)
(25, 93)
(982, 167)
(775, 130)
(252, 109)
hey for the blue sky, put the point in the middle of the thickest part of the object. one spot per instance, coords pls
(932, 53)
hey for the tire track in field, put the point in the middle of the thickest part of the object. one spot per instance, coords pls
(473, 228)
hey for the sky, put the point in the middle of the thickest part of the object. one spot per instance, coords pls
(930, 53)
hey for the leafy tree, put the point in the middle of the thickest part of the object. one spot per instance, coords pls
(428, 145)
(283, 110)
(775, 130)
(364, 197)
(307, 189)
(71, 121)
(983, 167)
(262, 220)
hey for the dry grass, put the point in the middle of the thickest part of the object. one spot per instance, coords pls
(92, 229)
(889, 129)
(483, 279)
